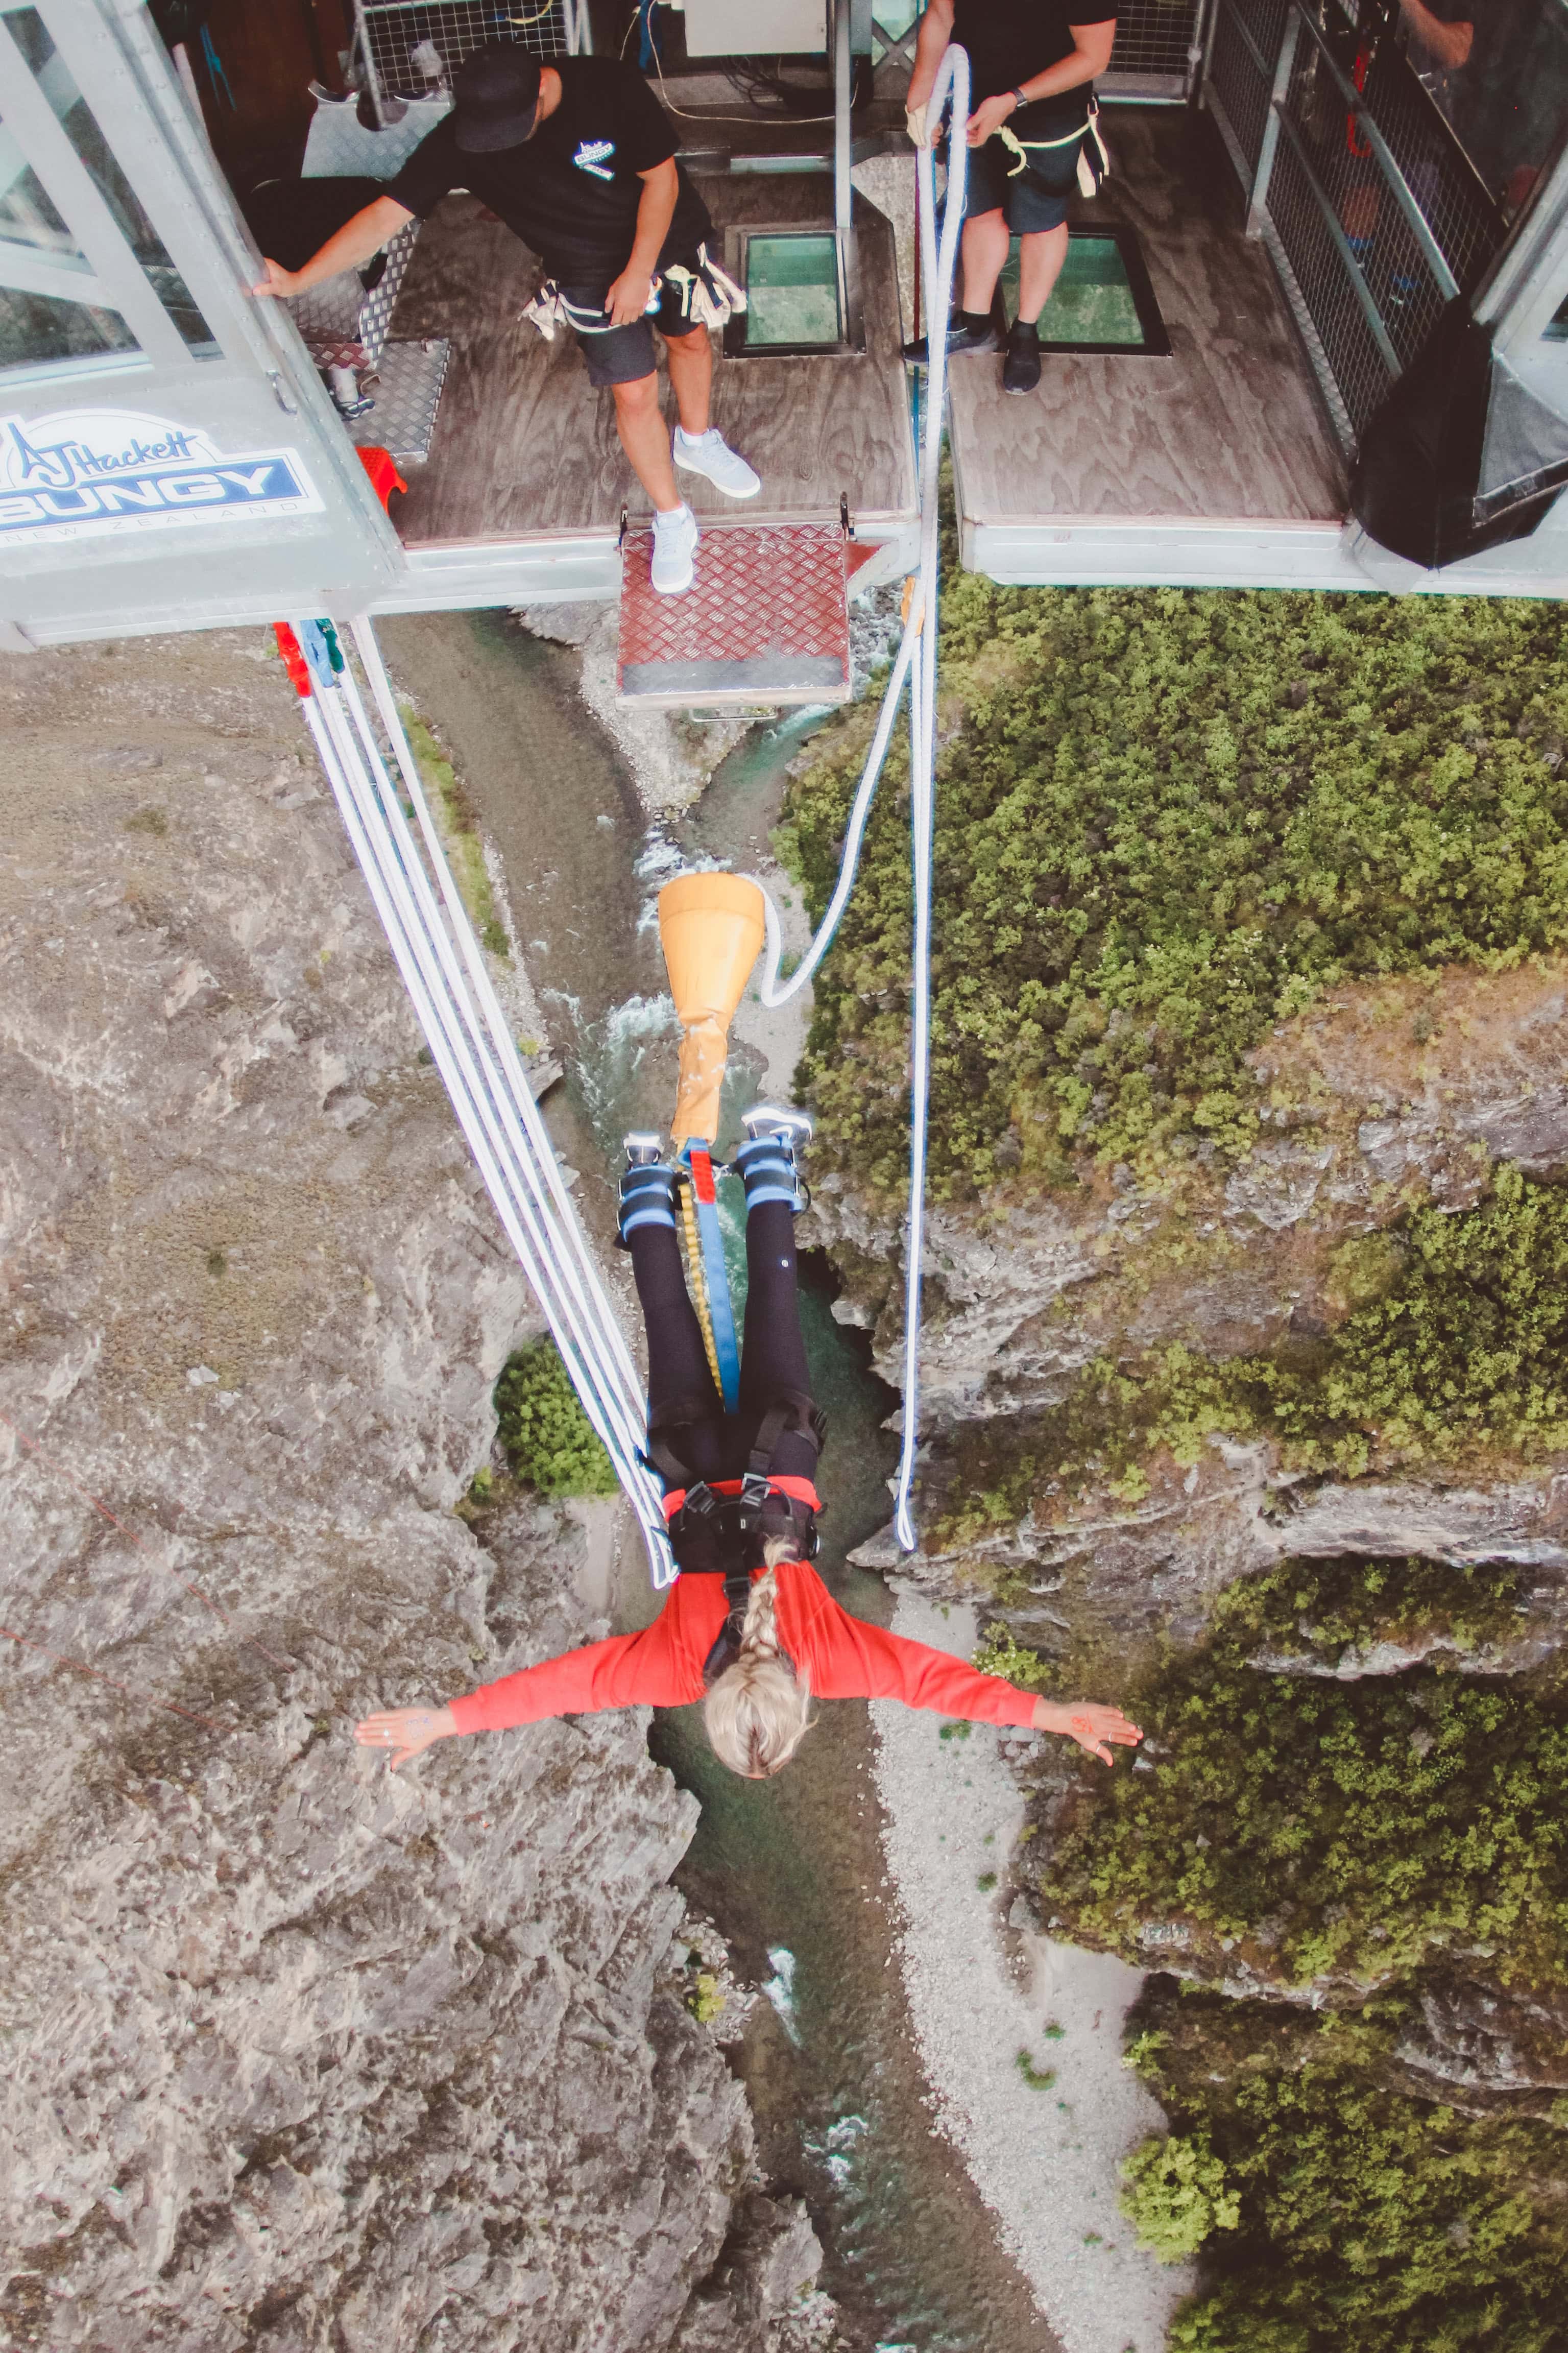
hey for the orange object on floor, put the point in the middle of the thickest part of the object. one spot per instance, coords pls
(384, 476)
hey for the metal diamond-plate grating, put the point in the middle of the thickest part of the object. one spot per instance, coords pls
(405, 393)
(342, 325)
(765, 619)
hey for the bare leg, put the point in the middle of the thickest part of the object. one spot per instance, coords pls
(692, 377)
(1041, 258)
(644, 437)
(984, 249)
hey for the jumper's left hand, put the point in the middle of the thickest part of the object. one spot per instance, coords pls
(988, 118)
(629, 298)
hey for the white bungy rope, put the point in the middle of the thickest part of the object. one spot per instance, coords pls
(915, 662)
(444, 971)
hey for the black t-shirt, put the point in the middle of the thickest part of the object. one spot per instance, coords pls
(1009, 41)
(571, 191)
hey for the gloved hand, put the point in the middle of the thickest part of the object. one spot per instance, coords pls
(915, 124)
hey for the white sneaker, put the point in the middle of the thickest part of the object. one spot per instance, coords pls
(675, 538)
(709, 453)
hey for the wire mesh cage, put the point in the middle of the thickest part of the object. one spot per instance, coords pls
(410, 48)
(1153, 37)
(1241, 66)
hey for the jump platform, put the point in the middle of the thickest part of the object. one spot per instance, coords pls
(766, 619)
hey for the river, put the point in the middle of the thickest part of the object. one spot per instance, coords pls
(791, 1871)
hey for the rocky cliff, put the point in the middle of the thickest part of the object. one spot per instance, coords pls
(296, 2055)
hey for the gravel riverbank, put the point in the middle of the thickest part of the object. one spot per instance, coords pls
(1045, 2157)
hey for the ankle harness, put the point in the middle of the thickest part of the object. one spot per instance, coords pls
(720, 1527)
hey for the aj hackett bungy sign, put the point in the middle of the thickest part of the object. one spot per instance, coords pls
(85, 472)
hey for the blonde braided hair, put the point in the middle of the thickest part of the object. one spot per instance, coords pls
(759, 1711)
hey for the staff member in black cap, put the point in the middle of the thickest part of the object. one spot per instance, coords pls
(578, 159)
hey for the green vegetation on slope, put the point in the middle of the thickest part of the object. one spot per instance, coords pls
(1360, 1829)
(1460, 1349)
(1169, 819)
(458, 828)
(1388, 1831)
(1332, 2209)
(549, 1442)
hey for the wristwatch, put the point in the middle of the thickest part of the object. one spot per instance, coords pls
(1021, 99)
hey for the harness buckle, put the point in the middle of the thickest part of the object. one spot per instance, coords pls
(752, 1498)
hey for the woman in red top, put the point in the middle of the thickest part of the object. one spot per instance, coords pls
(748, 1628)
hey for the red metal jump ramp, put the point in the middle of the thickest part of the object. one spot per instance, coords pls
(765, 620)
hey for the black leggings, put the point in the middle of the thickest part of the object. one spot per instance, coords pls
(773, 1356)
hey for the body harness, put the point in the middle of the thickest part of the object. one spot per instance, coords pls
(1093, 162)
(709, 296)
(723, 1527)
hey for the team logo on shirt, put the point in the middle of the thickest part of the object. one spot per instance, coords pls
(593, 155)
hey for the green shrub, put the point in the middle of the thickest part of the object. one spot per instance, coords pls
(1353, 2214)
(1363, 1828)
(705, 1998)
(999, 1654)
(1176, 2196)
(549, 1442)
(1169, 818)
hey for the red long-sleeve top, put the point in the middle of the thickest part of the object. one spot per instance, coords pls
(843, 1658)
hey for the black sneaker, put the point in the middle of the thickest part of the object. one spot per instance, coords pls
(1021, 368)
(960, 338)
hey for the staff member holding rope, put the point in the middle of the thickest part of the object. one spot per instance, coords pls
(578, 159)
(1031, 87)
(748, 1628)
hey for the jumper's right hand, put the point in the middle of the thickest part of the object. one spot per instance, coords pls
(915, 124)
(278, 280)
(407, 1732)
(1088, 1721)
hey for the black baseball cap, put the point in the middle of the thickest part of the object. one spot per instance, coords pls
(495, 98)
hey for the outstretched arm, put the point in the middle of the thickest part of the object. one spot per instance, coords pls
(647, 1669)
(357, 239)
(859, 1660)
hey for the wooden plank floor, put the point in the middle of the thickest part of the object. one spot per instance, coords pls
(525, 448)
(1228, 427)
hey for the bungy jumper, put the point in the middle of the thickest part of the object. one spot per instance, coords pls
(711, 924)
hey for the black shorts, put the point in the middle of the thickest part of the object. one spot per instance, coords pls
(1034, 198)
(624, 354)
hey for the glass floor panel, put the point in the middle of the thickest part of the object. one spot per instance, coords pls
(1097, 302)
(792, 293)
